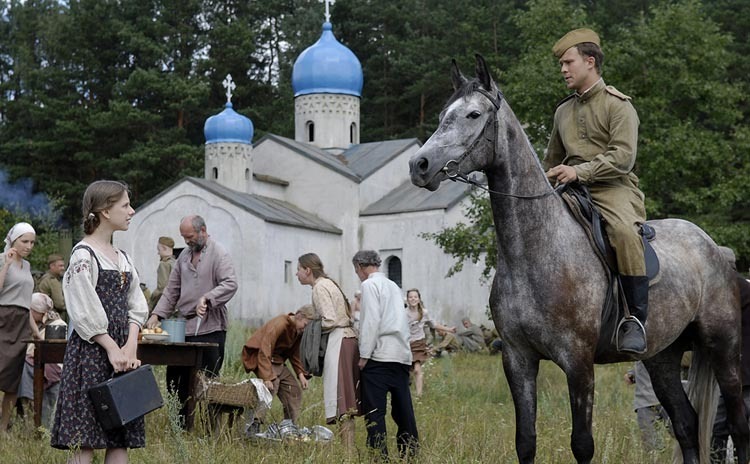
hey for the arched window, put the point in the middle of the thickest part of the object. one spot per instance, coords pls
(353, 133)
(310, 131)
(247, 174)
(215, 173)
(394, 269)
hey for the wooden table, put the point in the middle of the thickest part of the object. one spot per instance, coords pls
(149, 352)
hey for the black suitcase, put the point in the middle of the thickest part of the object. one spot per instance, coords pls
(126, 397)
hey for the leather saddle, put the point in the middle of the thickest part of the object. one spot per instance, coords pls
(578, 199)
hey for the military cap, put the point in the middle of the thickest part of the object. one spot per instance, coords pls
(166, 241)
(54, 258)
(575, 37)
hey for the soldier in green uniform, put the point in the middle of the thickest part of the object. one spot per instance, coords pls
(164, 247)
(51, 283)
(594, 141)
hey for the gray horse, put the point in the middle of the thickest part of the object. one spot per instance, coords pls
(549, 289)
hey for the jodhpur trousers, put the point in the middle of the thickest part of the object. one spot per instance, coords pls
(378, 379)
(622, 207)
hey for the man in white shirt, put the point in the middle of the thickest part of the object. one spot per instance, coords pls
(385, 357)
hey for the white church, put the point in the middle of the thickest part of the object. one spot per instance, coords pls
(270, 201)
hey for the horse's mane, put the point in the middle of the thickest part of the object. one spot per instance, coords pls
(468, 88)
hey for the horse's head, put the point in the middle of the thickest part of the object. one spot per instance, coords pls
(466, 135)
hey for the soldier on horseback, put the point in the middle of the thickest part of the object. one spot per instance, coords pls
(594, 142)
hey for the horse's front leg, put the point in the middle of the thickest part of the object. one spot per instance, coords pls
(521, 369)
(580, 374)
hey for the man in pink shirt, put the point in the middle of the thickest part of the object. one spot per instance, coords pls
(200, 285)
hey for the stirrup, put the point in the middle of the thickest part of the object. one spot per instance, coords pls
(618, 330)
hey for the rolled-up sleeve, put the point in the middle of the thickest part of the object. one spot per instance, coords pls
(226, 285)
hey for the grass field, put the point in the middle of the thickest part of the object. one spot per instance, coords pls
(465, 416)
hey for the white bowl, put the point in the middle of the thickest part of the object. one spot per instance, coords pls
(156, 337)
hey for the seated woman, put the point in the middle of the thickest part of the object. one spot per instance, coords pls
(41, 316)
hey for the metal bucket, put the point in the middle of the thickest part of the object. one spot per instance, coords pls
(175, 328)
(55, 332)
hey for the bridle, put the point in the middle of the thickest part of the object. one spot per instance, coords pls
(452, 167)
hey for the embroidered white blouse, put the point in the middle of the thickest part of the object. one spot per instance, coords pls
(85, 309)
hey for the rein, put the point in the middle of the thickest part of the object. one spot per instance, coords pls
(452, 167)
(457, 176)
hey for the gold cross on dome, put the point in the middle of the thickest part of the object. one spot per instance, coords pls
(328, 3)
(229, 84)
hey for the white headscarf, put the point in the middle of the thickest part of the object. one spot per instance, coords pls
(41, 303)
(15, 232)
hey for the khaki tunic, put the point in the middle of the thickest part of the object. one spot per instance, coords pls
(52, 287)
(162, 278)
(597, 134)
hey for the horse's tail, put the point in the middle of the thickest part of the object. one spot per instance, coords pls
(703, 392)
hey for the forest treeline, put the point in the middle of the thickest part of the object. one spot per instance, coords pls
(96, 89)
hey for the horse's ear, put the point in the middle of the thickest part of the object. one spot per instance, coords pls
(483, 73)
(457, 78)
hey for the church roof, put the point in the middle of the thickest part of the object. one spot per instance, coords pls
(357, 162)
(314, 153)
(228, 126)
(366, 158)
(327, 66)
(267, 209)
(408, 198)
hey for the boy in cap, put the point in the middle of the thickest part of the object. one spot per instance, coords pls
(594, 141)
(165, 248)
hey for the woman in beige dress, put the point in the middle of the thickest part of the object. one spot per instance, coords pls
(340, 369)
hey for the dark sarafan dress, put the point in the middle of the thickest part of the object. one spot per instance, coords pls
(85, 365)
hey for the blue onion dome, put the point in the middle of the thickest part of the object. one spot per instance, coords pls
(228, 126)
(327, 66)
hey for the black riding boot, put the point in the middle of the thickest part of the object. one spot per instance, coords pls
(632, 333)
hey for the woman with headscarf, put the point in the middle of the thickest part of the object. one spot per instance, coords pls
(16, 287)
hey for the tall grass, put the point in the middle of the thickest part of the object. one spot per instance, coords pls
(464, 416)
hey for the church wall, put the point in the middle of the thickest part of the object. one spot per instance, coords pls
(225, 223)
(318, 190)
(272, 285)
(267, 285)
(229, 164)
(425, 266)
(312, 186)
(388, 177)
(332, 116)
(269, 189)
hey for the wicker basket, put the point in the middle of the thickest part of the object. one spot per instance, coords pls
(240, 394)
